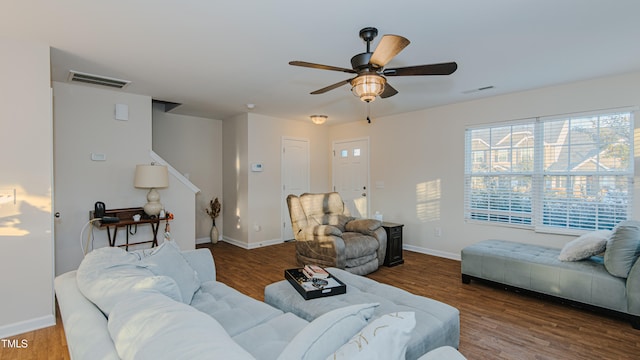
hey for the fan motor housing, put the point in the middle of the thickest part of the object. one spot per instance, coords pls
(361, 62)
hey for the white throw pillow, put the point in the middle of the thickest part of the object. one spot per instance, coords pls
(108, 275)
(152, 326)
(167, 260)
(585, 246)
(385, 338)
(328, 332)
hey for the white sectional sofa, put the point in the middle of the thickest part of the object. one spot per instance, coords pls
(166, 304)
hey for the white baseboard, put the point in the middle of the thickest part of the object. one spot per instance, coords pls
(203, 240)
(418, 249)
(438, 253)
(26, 326)
(252, 245)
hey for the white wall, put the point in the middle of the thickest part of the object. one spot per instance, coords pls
(265, 187)
(419, 157)
(235, 187)
(193, 145)
(26, 241)
(84, 123)
(253, 199)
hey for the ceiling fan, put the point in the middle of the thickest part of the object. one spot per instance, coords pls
(370, 80)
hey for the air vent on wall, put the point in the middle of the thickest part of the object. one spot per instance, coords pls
(76, 76)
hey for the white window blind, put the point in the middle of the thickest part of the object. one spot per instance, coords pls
(566, 172)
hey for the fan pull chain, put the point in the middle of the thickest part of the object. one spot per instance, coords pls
(369, 113)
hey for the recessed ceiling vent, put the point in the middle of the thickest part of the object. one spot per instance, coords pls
(76, 76)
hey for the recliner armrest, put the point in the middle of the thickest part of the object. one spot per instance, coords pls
(363, 226)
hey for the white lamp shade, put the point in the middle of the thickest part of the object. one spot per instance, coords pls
(151, 176)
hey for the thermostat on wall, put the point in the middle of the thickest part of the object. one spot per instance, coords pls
(256, 167)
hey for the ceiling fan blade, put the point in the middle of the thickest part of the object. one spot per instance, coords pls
(321, 67)
(388, 91)
(389, 46)
(432, 69)
(331, 87)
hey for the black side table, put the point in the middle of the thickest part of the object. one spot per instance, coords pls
(394, 244)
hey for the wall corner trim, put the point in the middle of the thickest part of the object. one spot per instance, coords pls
(155, 157)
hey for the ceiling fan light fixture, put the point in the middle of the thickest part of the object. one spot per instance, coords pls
(319, 119)
(368, 87)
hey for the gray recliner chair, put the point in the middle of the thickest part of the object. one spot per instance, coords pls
(328, 236)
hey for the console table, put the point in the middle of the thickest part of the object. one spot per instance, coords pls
(126, 221)
(394, 244)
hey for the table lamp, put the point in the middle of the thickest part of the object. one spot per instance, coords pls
(152, 177)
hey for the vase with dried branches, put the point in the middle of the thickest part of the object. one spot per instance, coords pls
(213, 211)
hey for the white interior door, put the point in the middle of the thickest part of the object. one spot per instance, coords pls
(351, 174)
(295, 176)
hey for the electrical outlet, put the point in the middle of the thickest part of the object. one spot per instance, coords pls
(437, 232)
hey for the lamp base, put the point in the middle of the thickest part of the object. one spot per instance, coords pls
(153, 205)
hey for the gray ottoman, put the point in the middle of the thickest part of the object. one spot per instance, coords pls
(437, 324)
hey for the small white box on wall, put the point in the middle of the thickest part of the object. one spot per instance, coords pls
(122, 112)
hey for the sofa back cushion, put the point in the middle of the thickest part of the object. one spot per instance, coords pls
(623, 248)
(167, 260)
(108, 275)
(152, 326)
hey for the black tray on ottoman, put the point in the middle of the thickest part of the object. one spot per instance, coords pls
(306, 288)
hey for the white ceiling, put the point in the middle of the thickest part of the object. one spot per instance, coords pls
(215, 56)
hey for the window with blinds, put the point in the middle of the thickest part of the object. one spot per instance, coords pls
(564, 172)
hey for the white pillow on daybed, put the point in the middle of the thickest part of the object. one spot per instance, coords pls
(585, 246)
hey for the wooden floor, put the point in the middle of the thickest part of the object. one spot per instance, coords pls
(495, 324)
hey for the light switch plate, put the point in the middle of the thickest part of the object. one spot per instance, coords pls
(98, 157)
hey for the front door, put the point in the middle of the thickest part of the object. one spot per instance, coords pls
(351, 174)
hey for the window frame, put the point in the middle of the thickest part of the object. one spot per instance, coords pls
(531, 212)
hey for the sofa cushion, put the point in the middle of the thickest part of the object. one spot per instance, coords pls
(623, 248)
(152, 326)
(107, 275)
(385, 338)
(585, 246)
(267, 340)
(235, 311)
(167, 260)
(328, 332)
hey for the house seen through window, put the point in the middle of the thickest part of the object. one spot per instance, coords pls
(565, 172)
